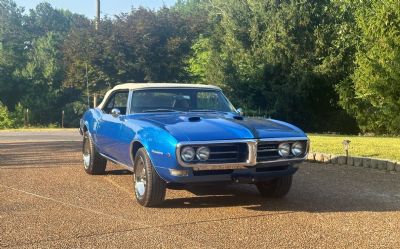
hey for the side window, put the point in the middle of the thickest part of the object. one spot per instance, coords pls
(117, 100)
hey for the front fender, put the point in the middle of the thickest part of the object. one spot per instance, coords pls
(160, 147)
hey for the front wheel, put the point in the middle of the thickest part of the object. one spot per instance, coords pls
(149, 187)
(276, 188)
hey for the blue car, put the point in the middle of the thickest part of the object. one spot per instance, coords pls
(175, 135)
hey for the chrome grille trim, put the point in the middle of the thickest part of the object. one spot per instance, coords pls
(251, 159)
(223, 152)
(268, 150)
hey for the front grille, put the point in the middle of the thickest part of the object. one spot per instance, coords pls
(268, 151)
(234, 154)
(224, 153)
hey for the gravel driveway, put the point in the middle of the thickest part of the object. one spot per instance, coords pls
(46, 200)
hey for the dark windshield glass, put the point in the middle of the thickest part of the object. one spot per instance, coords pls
(164, 100)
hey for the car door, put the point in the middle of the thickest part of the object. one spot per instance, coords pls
(109, 125)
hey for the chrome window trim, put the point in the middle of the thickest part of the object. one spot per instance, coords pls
(128, 105)
(112, 95)
(252, 156)
(132, 91)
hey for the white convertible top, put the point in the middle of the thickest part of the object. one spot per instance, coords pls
(137, 86)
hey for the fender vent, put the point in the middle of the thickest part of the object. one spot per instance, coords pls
(194, 119)
(238, 117)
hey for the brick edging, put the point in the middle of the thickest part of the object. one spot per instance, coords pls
(365, 162)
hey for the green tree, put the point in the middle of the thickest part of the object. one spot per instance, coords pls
(270, 55)
(44, 71)
(31, 62)
(13, 45)
(140, 46)
(372, 92)
(314, 63)
(44, 18)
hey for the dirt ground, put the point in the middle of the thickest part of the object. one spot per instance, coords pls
(47, 200)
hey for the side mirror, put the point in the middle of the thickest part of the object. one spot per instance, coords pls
(240, 111)
(115, 112)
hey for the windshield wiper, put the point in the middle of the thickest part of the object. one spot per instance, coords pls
(160, 110)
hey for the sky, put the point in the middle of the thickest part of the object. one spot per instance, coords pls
(88, 7)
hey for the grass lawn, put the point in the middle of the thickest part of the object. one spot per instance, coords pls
(376, 147)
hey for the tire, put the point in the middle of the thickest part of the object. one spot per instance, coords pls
(149, 187)
(93, 162)
(276, 188)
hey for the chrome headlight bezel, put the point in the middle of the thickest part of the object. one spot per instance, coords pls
(188, 153)
(203, 153)
(284, 149)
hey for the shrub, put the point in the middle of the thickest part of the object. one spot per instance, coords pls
(17, 116)
(73, 113)
(5, 119)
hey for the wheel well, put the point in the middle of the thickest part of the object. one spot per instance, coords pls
(135, 147)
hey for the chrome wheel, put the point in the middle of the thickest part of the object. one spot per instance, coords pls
(86, 153)
(140, 179)
(149, 187)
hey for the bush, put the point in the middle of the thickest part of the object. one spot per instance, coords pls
(73, 113)
(5, 119)
(18, 116)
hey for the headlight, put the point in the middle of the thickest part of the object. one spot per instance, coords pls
(298, 148)
(284, 149)
(187, 154)
(203, 153)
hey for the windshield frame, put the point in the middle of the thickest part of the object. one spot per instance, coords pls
(228, 103)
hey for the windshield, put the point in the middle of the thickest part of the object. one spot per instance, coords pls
(186, 100)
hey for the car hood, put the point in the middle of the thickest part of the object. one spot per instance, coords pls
(212, 126)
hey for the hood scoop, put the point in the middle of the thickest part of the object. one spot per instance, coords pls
(238, 117)
(194, 119)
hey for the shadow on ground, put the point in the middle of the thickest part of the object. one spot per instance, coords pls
(118, 172)
(40, 153)
(303, 197)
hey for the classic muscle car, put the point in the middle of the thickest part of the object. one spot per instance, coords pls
(174, 135)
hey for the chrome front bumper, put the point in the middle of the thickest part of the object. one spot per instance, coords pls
(251, 159)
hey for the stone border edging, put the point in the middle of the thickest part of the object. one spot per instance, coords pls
(365, 162)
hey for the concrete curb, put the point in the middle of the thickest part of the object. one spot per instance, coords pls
(362, 162)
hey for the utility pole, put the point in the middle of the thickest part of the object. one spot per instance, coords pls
(97, 28)
(97, 14)
(87, 88)
(94, 100)
(27, 116)
(62, 119)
